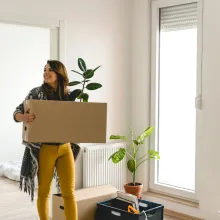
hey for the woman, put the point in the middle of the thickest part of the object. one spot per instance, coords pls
(43, 159)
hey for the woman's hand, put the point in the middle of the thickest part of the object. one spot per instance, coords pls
(26, 117)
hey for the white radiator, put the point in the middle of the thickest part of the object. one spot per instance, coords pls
(98, 170)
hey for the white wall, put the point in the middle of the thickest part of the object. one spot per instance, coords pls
(97, 31)
(208, 146)
(208, 163)
(140, 78)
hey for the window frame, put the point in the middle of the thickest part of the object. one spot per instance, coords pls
(155, 7)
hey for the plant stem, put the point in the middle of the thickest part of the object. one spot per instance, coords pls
(138, 147)
(130, 155)
(134, 152)
(83, 88)
(141, 162)
(132, 142)
(142, 157)
(134, 174)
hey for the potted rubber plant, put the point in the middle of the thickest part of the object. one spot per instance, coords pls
(79, 93)
(85, 83)
(134, 161)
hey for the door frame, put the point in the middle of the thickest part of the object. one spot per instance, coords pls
(60, 25)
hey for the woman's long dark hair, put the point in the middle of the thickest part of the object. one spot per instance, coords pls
(61, 92)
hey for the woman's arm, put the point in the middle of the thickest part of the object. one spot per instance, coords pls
(19, 115)
(18, 112)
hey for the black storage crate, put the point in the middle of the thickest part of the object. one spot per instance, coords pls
(115, 210)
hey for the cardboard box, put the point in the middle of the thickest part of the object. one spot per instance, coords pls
(66, 121)
(87, 200)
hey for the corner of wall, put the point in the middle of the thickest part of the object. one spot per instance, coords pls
(140, 76)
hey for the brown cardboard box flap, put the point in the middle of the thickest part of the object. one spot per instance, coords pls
(92, 192)
(66, 122)
(86, 201)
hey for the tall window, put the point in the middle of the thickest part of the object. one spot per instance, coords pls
(174, 88)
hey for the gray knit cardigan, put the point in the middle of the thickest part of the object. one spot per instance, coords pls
(29, 167)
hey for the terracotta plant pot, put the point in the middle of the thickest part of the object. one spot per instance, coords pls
(134, 190)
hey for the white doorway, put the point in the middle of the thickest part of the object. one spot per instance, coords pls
(24, 50)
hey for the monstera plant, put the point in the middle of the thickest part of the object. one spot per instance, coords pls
(134, 162)
(85, 83)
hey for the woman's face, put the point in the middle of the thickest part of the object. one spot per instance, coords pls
(50, 77)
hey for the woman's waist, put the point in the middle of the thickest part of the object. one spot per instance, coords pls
(54, 144)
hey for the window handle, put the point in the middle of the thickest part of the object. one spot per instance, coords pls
(198, 102)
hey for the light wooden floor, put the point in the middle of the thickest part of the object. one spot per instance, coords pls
(16, 205)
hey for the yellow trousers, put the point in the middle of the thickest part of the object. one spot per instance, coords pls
(62, 158)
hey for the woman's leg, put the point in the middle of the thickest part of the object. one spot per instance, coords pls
(66, 172)
(47, 159)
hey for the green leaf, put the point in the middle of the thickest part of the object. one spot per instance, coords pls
(145, 134)
(153, 154)
(116, 137)
(74, 83)
(118, 155)
(136, 142)
(93, 86)
(96, 68)
(77, 72)
(88, 74)
(82, 64)
(131, 165)
(84, 97)
(74, 94)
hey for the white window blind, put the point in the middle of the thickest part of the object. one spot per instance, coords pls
(178, 17)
